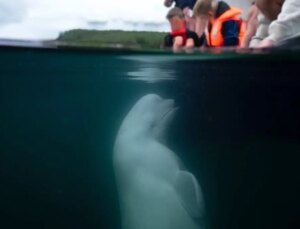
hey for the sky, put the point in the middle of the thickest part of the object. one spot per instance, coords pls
(45, 19)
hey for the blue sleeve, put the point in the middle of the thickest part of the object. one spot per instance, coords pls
(230, 32)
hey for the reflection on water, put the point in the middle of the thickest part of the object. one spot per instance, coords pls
(152, 75)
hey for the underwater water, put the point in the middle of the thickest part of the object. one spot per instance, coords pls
(237, 130)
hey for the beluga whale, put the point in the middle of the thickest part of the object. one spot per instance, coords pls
(155, 191)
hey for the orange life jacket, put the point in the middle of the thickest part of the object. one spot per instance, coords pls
(214, 37)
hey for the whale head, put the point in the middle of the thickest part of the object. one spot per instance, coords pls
(150, 116)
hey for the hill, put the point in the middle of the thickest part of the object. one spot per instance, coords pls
(111, 39)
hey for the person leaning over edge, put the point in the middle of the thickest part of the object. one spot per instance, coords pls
(284, 16)
(251, 25)
(194, 23)
(180, 36)
(225, 27)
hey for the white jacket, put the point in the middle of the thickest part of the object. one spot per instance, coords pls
(286, 26)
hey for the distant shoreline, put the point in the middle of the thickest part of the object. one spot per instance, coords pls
(111, 39)
(94, 39)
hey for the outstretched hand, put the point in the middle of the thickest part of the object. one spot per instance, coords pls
(266, 43)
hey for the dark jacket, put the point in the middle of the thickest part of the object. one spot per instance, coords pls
(185, 3)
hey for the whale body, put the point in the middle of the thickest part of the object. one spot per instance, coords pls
(155, 191)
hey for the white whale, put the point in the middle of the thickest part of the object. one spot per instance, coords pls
(154, 190)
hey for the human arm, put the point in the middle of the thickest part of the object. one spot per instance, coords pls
(251, 27)
(230, 32)
(177, 43)
(261, 32)
(285, 26)
(190, 43)
(287, 23)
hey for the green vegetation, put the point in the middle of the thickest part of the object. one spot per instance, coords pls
(111, 39)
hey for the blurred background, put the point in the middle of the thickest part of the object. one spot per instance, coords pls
(46, 19)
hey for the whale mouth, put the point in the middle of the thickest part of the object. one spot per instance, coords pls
(169, 113)
(171, 109)
(162, 126)
(163, 122)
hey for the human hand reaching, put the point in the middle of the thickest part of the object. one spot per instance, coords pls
(266, 43)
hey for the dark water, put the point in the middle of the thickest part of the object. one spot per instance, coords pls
(237, 131)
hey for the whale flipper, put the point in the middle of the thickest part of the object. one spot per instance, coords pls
(187, 187)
